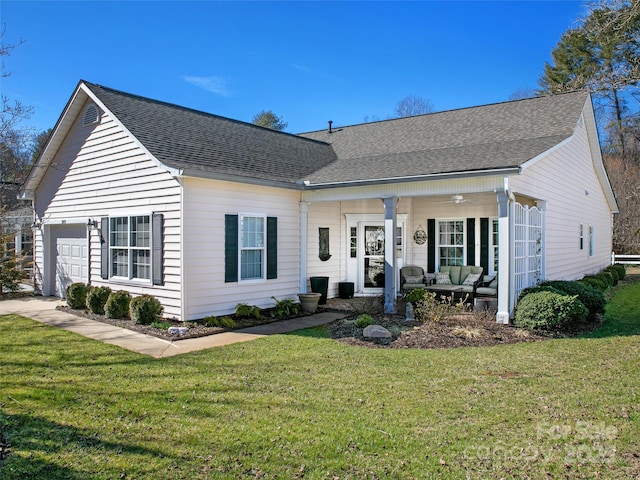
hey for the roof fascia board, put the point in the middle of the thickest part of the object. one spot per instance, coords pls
(61, 128)
(173, 171)
(416, 178)
(596, 154)
(239, 179)
(532, 161)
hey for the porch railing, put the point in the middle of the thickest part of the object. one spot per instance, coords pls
(625, 259)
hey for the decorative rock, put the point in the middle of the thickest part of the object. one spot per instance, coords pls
(376, 331)
(178, 330)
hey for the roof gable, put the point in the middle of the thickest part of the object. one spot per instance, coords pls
(201, 144)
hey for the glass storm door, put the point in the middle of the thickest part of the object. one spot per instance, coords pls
(373, 256)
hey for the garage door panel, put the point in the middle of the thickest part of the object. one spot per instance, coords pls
(71, 263)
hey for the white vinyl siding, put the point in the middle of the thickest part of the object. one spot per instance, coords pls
(100, 171)
(206, 202)
(566, 180)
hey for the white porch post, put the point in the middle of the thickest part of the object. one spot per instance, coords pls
(505, 279)
(304, 214)
(390, 222)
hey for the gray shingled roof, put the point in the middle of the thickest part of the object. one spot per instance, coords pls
(208, 145)
(489, 137)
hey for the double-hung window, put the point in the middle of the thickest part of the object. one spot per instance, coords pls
(451, 242)
(253, 236)
(130, 247)
(250, 247)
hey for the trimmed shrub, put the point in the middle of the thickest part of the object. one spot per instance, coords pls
(77, 295)
(96, 299)
(548, 311)
(117, 305)
(590, 297)
(538, 288)
(145, 309)
(607, 277)
(614, 274)
(621, 269)
(595, 282)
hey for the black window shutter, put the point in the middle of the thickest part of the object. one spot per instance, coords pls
(431, 245)
(484, 244)
(272, 247)
(157, 266)
(104, 247)
(230, 248)
(471, 241)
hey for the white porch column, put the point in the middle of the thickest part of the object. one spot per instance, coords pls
(390, 287)
(505, 279)
(304, 214)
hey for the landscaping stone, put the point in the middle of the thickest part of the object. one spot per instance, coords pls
(376, 331)
(178, 330)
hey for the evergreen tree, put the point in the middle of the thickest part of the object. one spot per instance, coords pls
(268, 119)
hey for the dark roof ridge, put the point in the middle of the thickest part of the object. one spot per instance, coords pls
(194, 111)
(450, 110)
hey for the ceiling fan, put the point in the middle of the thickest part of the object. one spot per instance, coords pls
(457, 199)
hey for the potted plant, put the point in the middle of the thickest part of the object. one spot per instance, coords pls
(309, 301)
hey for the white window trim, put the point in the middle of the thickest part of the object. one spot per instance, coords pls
(263, 249)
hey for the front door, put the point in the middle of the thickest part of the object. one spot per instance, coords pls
(373, 258)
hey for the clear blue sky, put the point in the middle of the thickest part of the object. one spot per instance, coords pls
(309, 62)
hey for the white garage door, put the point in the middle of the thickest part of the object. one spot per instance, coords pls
(71, 263)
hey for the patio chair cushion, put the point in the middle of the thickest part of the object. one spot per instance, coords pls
(443, 278)
(414, 279)
(471, 279)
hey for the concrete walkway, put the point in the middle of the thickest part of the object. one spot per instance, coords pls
(43, 309)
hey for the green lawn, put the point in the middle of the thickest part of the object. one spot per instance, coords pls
(303, 406)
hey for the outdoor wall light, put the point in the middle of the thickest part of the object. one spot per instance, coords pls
(92, 224)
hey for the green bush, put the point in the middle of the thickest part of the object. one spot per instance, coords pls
(286, 307)
(117, 305)
(595, 282)
(548, 311)
(607, 277)
(621, 269)
(536, 289)
(415, 295)
(614, 274)
(247, 311)
(590, 297)
(145, 309)
(223, 322)
(96, 299)
(77, 295)
(364, 320)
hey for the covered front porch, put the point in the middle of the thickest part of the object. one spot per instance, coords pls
(366, 235)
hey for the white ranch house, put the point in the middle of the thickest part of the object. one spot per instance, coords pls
(204, 212)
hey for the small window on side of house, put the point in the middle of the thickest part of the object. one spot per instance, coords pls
(581, 236)
(591, 241)
(91, 115)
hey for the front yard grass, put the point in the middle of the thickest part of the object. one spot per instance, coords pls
(304, 406)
